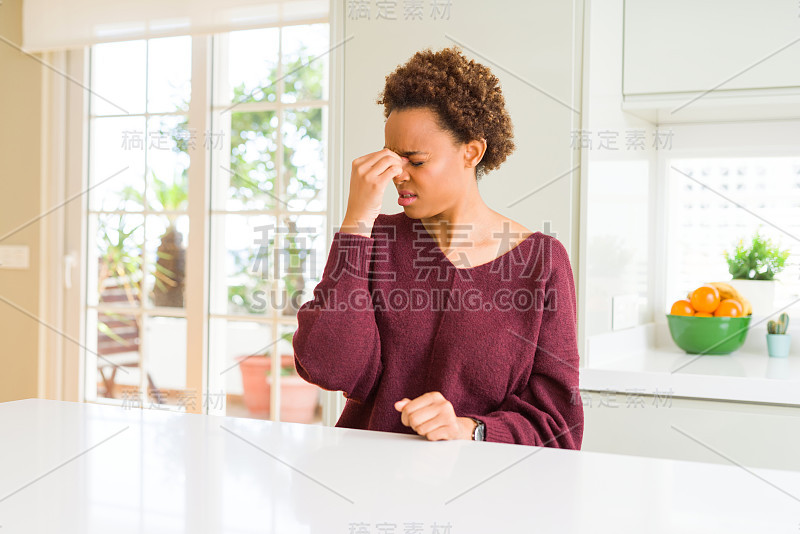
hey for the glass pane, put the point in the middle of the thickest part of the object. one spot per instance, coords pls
(236, 350)
(118, 355)
(167, 238)
(117, 144)
(118, 78)
(242, 265)
(253, 65)
(304, 162)
(167, 163)
(299, 260)
(254, 143)
(305, 78)
(300, 400)
(165, 343)
(169, 74)
(118, 241)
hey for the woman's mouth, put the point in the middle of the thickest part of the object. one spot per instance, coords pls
(405, 200)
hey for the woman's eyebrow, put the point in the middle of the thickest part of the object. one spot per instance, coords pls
(409, 152)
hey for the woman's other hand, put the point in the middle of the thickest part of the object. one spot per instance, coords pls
(433, 416)
(369, 177)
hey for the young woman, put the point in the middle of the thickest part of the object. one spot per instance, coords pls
(448, 319)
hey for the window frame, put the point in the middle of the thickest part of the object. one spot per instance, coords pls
(199, 376)
(731, 140)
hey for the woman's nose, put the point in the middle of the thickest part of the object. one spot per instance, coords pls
(403, 176)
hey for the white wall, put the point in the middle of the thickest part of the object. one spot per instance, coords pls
(527, 45)
(618, 183)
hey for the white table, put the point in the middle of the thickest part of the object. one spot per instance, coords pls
(83, 468)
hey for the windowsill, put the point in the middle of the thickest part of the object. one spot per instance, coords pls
(631, 362)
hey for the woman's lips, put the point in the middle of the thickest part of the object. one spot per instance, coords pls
(405, 201)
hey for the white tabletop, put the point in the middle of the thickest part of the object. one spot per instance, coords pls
(85, 468)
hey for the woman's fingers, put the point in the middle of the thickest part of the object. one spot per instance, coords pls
(427, 413)
(416, 418)
(383, 169)
(368, 180)
(364, 163)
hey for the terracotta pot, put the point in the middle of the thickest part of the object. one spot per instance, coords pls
(299, 399)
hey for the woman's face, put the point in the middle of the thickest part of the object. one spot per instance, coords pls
(436, 169)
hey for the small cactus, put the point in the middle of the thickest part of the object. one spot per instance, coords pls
(779, 326)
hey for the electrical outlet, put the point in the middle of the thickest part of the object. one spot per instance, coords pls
(624, 311)
(14, 257)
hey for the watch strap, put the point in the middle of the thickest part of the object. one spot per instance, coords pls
(479, 432)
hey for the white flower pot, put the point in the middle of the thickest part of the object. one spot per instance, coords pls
(760, 293)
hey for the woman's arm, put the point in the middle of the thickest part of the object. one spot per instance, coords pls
(337, 344)
(548, 411)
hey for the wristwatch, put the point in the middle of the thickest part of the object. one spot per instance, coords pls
(479, 433)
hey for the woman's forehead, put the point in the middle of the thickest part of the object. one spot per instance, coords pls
(407, 132)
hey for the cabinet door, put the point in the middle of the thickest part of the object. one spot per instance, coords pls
(690, 45)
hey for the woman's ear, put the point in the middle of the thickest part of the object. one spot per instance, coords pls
(473, 152)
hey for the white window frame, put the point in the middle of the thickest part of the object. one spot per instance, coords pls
(65, 354)
(220, 52)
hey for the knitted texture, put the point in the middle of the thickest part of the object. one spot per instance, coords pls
(392, 317)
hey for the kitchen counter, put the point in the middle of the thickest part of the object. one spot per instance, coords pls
(647, 362)
(84, 468)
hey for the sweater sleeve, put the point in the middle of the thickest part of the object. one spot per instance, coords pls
(548, 411)
(337, 344)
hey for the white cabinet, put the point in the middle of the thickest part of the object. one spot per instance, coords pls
(753, 435)
(719, 45)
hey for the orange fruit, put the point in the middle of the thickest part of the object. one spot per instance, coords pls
(703, 314)
(705, 298)
(682, 307)
(729, 308)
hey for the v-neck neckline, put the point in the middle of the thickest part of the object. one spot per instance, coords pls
(449, 261)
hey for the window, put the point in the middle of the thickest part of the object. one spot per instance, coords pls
(137, 221)
(717, 201)
(268, 208)
(266, 213)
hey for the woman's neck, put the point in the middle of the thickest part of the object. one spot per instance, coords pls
(470, 221)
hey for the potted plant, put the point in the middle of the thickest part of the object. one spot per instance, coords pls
(119, 282)
(299, 399)
(778, 341)
(170, 266)
(754, 268)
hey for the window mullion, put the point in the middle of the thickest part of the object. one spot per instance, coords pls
(275, 391)
(197, 264)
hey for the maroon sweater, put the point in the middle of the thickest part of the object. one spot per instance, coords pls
(393, 317)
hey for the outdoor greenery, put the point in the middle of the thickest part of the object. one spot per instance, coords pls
(253, 185)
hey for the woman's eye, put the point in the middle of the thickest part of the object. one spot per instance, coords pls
(416, 164)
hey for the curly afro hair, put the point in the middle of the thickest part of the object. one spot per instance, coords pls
(465, 96)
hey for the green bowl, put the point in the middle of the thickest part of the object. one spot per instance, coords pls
(708, 335)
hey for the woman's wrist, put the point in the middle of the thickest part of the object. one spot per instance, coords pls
(467, 427)
(352, 225)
